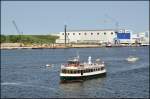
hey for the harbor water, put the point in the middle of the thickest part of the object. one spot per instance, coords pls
(24, 73)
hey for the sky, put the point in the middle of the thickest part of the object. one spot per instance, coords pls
(46, 17)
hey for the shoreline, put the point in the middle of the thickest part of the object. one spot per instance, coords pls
(66, 47)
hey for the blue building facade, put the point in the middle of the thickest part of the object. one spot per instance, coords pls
(123, 35)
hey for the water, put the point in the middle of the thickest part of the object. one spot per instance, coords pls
(24, 73)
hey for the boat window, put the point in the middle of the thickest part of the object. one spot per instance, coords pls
(74, 71)
(67, 71)
(102, 68)
(63, 70)
(87, 70)
(71, 71)
(78, 71)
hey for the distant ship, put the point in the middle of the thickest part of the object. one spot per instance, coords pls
(76, 71)
(108, 45)
(132, 59)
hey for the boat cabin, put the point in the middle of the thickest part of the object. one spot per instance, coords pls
(73, 62)
(75, 71)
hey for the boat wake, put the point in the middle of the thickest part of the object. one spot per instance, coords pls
(11, 83)
(22, 84)
(132, 59)
(130, 68)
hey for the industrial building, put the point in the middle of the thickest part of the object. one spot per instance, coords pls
(95, 36)
(143, 38)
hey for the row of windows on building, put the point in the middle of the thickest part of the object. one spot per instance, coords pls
(86, 33)
(79, 71)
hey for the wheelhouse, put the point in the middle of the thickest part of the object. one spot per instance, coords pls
(74, 62)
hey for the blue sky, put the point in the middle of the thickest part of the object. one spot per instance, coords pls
(45, 17)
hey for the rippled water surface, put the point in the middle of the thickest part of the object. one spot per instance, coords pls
(24, 74)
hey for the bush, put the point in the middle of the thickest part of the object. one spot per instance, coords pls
(29, 39)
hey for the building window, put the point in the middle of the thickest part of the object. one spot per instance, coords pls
(73, 33)
(97, 33)
(111, 33)
(62, 33)
(79, 33)
(84, 33)
(91, 33)
(104, 33)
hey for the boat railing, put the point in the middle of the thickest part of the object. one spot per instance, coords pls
(81, 66)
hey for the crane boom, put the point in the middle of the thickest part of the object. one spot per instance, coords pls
(116, 22)
(16, 27)
(20, 33)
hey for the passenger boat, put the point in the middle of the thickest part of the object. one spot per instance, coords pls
(76, 71)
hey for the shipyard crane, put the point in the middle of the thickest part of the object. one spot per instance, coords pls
(116, 22)
(20, 33)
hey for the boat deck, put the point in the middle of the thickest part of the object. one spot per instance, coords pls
(81, 66)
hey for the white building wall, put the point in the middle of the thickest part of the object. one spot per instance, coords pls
(97, 36)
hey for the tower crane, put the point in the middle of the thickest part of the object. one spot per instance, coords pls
(116, 28)
(116, 22)
(20, 33)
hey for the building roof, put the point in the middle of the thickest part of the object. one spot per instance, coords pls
(92, 30)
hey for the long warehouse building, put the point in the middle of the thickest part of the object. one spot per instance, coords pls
(92, 36)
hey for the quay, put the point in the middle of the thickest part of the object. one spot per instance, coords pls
(58, 46)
